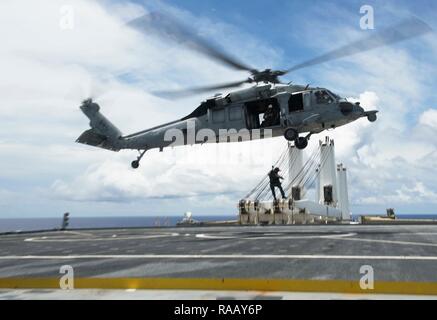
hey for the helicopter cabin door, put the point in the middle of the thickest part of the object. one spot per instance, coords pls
(263, 113)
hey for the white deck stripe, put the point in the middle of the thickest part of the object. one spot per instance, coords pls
(275, 237)
(112, 238)
(217, 256)
(426, 244)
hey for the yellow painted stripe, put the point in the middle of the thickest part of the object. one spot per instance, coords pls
(338, 286)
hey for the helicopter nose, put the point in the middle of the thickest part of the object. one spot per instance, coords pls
(346, 107)
(351, 109)
(358, 106)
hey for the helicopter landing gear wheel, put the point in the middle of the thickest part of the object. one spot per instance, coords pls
(136, 163)
(301, 143)
(291, 134)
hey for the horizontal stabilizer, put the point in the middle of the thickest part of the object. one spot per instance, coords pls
(92, 138)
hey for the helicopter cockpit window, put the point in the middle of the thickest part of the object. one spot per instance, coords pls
(336, 96)
(323, 97)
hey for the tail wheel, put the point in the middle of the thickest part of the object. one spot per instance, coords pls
(135, 164)
(291, 134)
(301, 143)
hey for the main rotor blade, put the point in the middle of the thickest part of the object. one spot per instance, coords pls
(407, 29)
(190, 91)
(164, 25)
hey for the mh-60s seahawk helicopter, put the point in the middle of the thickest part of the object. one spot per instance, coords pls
(282, 109)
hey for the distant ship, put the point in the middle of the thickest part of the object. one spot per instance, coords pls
(188, 220)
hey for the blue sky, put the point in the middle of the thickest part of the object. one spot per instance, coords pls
(47, 72)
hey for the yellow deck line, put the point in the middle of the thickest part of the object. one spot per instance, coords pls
(337, 286)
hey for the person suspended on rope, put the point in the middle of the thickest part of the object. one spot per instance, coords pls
(275, 181)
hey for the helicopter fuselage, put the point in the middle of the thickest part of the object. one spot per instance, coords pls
(258, 112)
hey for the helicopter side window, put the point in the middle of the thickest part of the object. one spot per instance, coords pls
(295, 103)
(235, 113)
(218, 115)
(322, 97)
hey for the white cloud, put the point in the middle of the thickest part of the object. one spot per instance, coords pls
(429, 118)
(183, 172)
(416, 193)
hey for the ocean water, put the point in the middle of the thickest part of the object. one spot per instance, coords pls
(30, 224)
